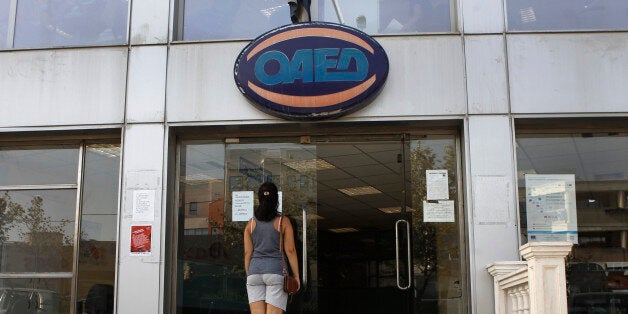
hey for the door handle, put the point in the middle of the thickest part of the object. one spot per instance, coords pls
(304, 239)
(397, 253)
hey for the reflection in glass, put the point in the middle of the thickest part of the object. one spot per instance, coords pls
(32, 165)
(4, 22)
(97, 247)
(37, 230)
(596, 268)
(70, 23)
(233, 19)
(45, 295)
(567, 15)
(436, 245)
(390, 16)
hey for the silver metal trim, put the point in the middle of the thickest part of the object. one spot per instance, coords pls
(39, 187)
(341, 19)
(304, 273)
(11, 26)
(57, 275)
(77, 227)
(397, 253)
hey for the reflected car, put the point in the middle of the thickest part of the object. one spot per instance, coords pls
(28, 301)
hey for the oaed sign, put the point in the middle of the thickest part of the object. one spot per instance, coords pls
(311, 71)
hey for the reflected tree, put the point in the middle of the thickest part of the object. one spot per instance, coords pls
(9, 213)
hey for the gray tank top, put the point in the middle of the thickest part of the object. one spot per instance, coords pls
(266, 257)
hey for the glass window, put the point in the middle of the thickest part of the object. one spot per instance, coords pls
(35, 165)
(390, 16)
(4, 22)
(38, 228)
(233, 19)
(567, 15)
(213, 19)
(70, 23)
(596, 268)
(99, 220)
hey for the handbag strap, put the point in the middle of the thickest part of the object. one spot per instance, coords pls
(283, 258)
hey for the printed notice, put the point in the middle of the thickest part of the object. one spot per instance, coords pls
(437, 185)
(443, 211)
(143, 205)
(141, 240)
(242, 205)
(551, 207)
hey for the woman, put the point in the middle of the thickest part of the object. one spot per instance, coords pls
(262, 258)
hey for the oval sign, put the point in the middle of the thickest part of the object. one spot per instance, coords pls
(311, 71)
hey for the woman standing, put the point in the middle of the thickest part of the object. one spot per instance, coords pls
(262, 257)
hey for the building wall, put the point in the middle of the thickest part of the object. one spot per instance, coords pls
(482, 76)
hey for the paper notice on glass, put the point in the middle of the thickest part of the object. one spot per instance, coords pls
(141, 240)
(242, 205)
(551, 207)
(443, 211)
(143, 205)
(280, 195)
(437, 185)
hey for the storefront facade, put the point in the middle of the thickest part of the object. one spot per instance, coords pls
(483, 94)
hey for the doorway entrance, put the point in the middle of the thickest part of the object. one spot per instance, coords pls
(378, 221)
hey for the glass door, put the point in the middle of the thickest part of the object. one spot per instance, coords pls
(377, 220)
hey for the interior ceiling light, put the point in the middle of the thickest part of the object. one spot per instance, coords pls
(360, 190)
(343, 230)
(393, 210)
(107, 150)
(309, 164)
(197, 178)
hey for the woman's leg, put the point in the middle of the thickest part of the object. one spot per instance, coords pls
(258, 307)
(271, 309)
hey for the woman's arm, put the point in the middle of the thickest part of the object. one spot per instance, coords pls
(291, 251)
(248, 246)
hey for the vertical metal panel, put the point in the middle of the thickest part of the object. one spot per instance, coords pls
(486, 74)
(149, 24)
(493, 232)
(426, 78)
(201, 87)
(139, 280)
(147, 84)
(77, 227)
(62, 87)
(568, 73)
(483, 16)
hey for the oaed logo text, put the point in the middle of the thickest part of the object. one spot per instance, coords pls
(313, 65)
(311, 71)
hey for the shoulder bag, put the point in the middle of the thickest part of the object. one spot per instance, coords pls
(290, 284)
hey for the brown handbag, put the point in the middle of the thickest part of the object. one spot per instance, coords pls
(290, 284)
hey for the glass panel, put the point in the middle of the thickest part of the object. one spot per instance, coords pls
(436, 245)
(35, 295)
(37, 229)
(218, 19)
(38, 165)
(390, 16)
(596, 268)
(567, 15)
(97, 247)
(70, 23)
(5, 5)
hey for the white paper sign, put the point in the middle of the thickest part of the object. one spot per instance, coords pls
(280, 195)
(443, 211)
(437, 185)
(242, 205)
(143, 205)
(551, 207)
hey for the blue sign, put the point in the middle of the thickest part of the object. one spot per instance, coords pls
(311, 71)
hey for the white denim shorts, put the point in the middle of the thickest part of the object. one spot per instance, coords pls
(268, 288)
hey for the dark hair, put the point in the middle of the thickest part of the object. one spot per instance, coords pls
(268, 202)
